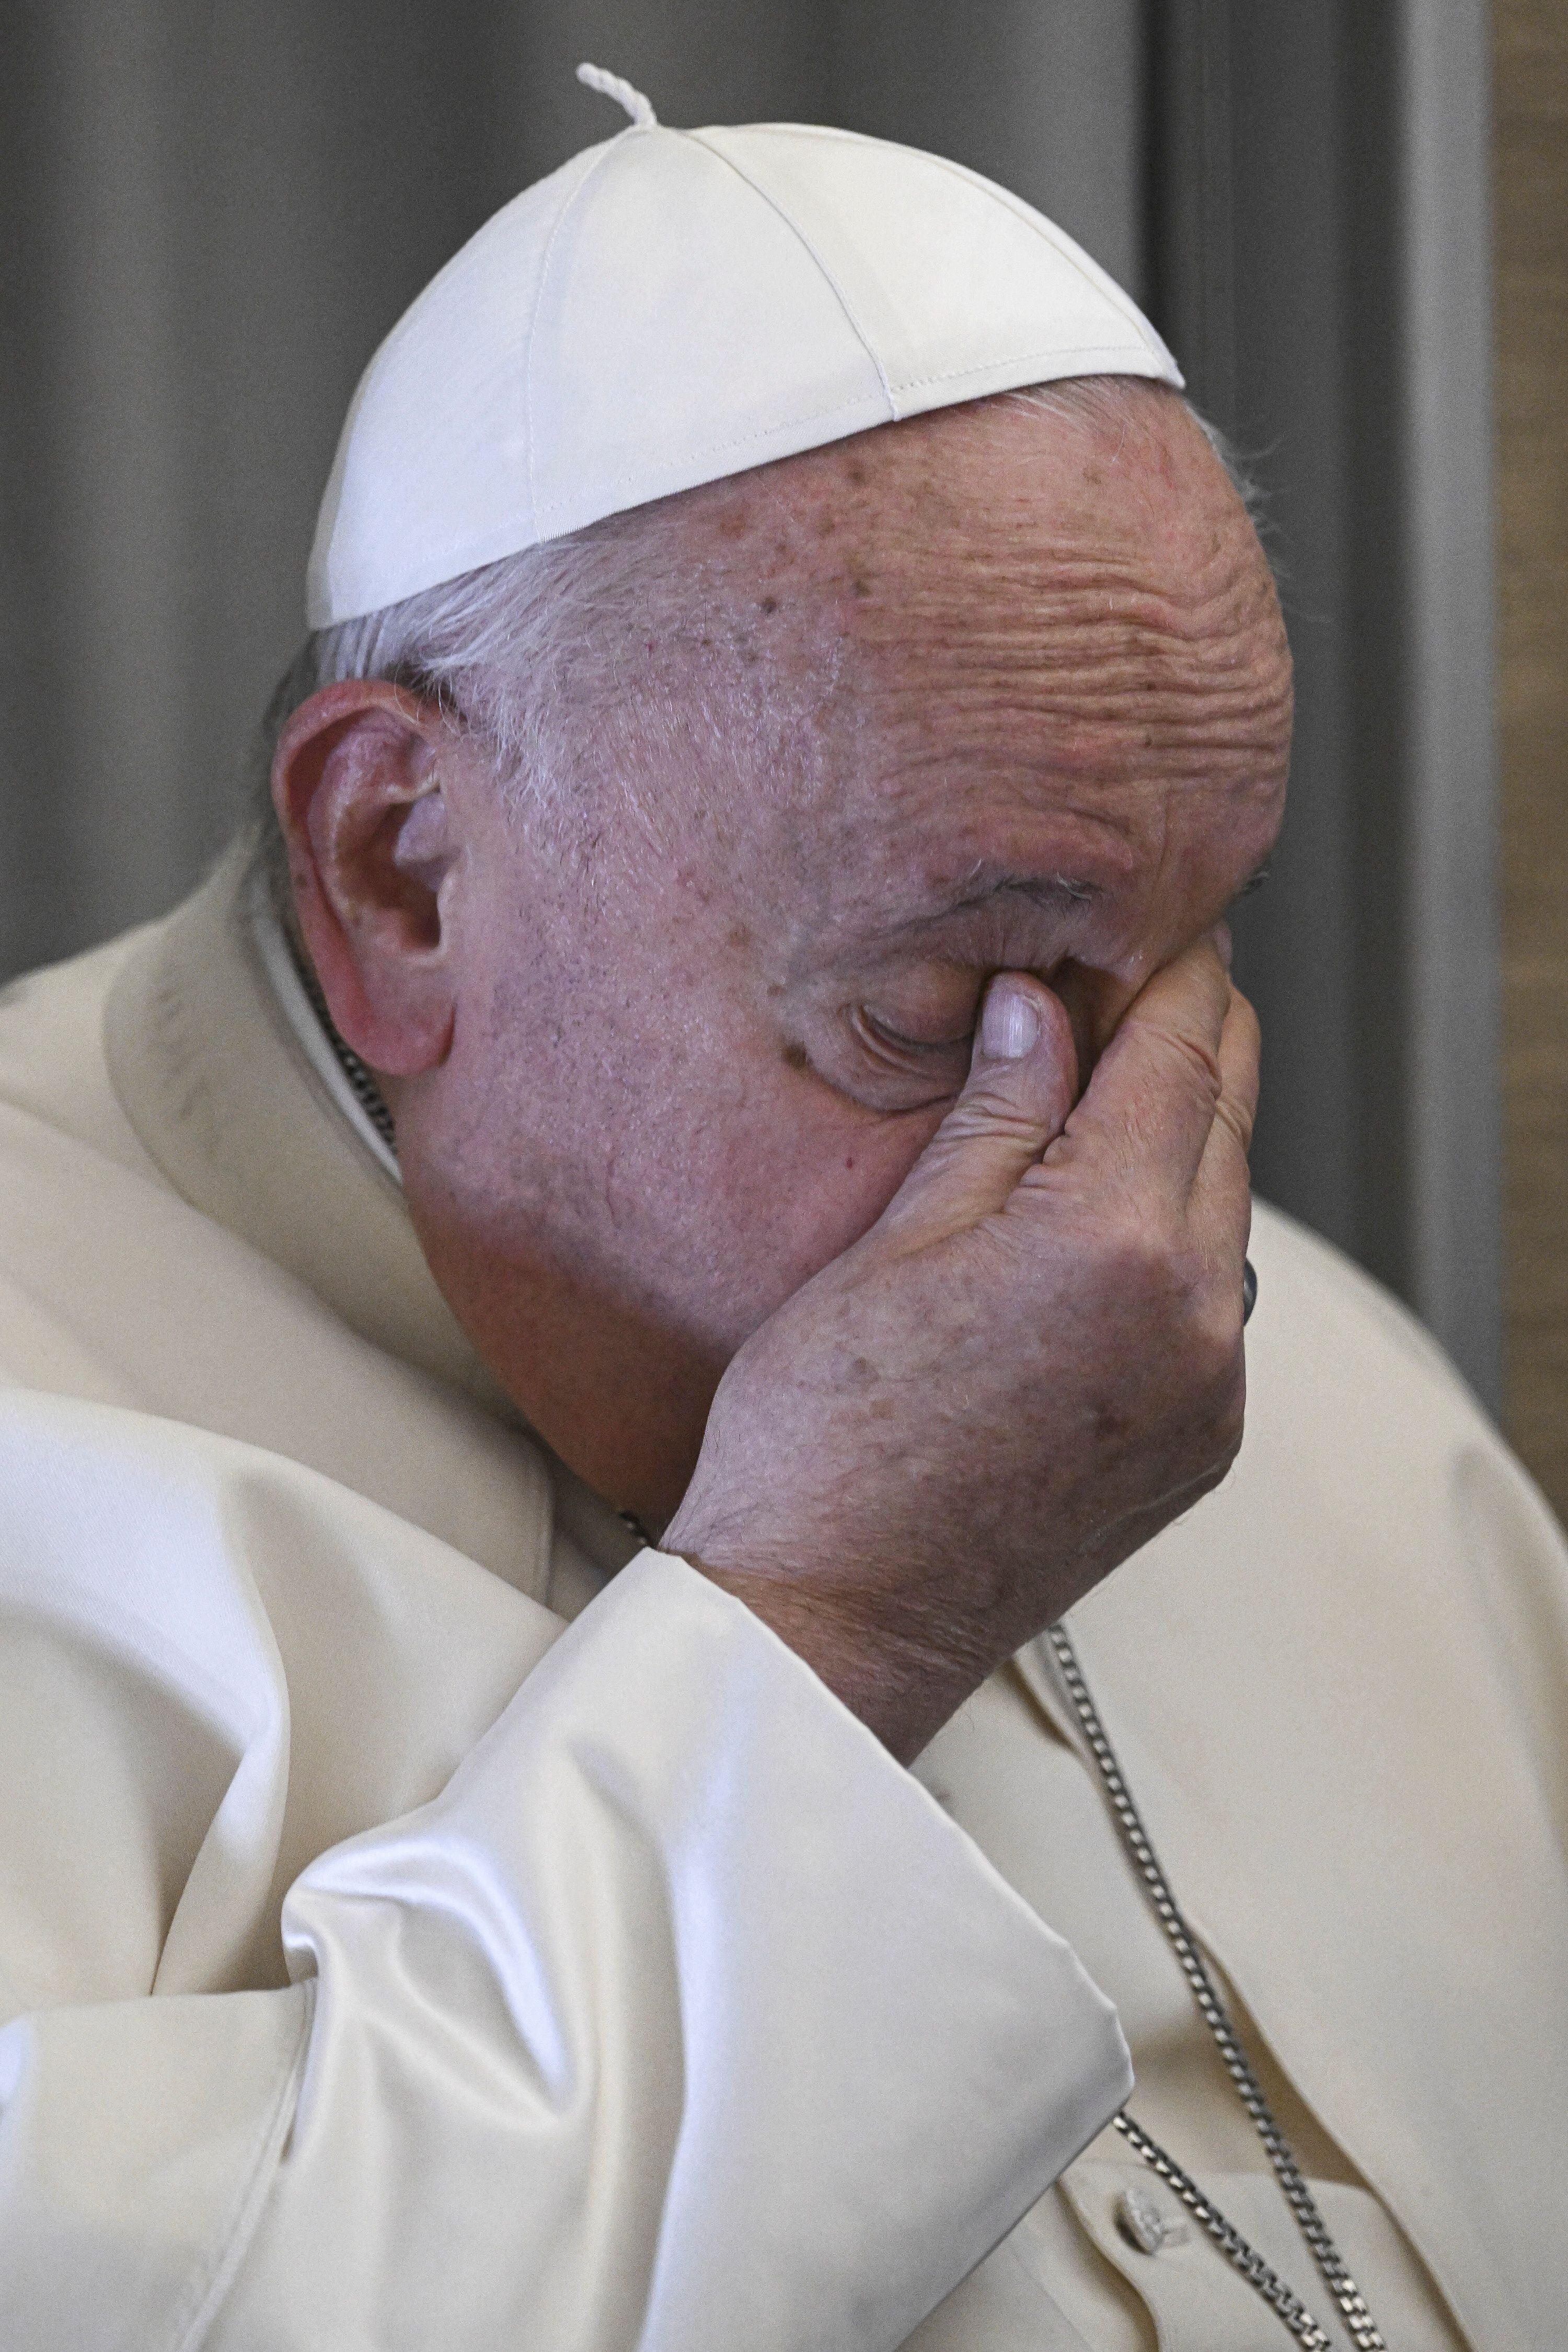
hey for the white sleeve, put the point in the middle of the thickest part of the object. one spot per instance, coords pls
(682, 2019)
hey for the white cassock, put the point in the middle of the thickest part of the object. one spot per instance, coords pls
(389, 1963)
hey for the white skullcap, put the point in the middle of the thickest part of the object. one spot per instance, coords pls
(675, 305)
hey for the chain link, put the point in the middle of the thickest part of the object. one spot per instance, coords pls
(1228, 2238)
(367, 1094)
(1348, 2297)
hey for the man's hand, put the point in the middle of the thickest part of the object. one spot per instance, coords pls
(1028, 1365)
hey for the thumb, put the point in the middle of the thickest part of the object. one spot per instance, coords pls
(1022, 1085)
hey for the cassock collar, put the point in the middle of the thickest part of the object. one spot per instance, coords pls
(217, 1073)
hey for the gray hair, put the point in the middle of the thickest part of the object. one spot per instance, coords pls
(511, 649)
(496, 648)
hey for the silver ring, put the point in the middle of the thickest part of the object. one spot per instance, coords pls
(1248, 1289)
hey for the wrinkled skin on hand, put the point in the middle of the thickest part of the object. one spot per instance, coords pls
(1029, 1365)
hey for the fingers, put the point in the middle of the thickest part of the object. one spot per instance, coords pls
(1017, 1098)
(1159, 1087)
(1238, 1054)
(1221, 1194)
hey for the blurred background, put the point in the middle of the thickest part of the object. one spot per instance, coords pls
(1350, 218)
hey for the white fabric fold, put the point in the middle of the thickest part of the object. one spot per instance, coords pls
(604, 2043)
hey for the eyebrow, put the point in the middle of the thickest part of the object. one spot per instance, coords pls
(1049, 890)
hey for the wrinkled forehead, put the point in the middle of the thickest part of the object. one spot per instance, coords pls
(1006, 608)
(1037, 640)
(1013, 538)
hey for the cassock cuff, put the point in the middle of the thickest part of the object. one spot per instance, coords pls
(853, 2052)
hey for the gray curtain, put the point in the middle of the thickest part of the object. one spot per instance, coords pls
(213, 213)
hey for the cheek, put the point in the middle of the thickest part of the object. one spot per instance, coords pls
(654, 1128)
(803, 1174)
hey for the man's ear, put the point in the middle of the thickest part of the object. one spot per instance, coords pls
(356, 782)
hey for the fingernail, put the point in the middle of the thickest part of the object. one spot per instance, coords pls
(1009, 1024)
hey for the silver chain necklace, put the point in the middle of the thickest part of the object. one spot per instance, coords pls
(366, 1093)
(1244, 2257)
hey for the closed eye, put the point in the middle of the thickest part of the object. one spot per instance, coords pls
(880, 1038)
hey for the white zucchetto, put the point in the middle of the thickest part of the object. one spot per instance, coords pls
(672, 307)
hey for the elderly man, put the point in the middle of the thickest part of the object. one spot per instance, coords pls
(579, 1316)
